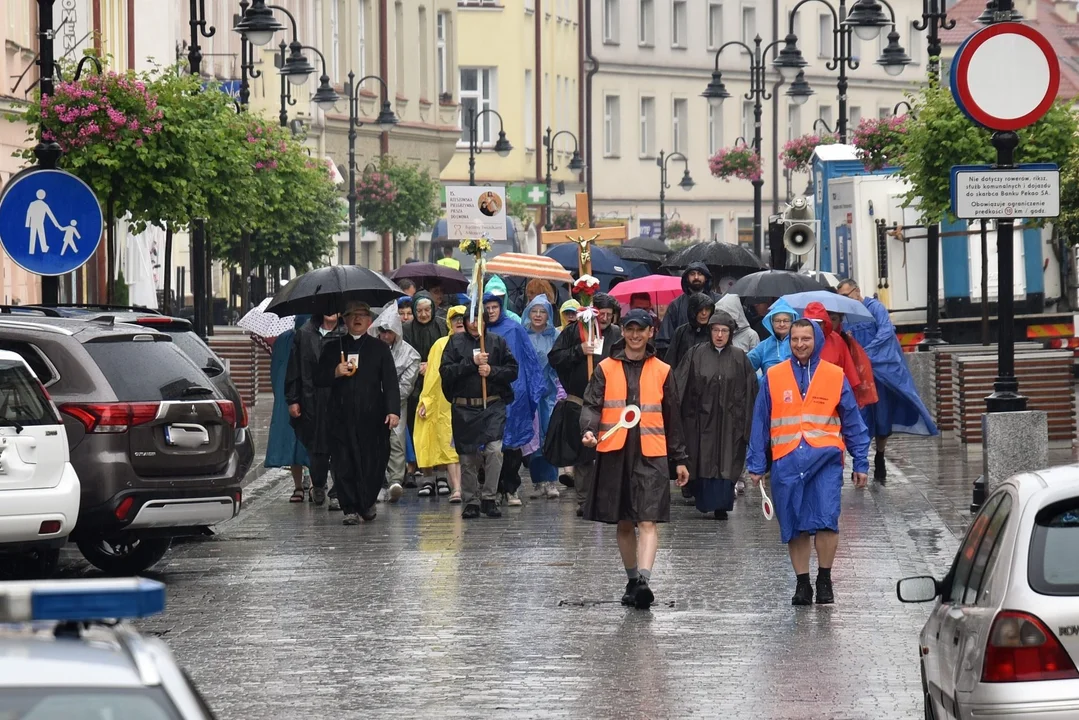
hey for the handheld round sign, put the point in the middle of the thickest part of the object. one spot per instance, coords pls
(631, 415)
(1006, 76)
(766, 504)
(50, 222)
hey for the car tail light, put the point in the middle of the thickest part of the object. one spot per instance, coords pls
(124, 508)
(243, 415)
(111, 417)
(238, 497)
(1022, 649)
(228, 411)
(49, 527)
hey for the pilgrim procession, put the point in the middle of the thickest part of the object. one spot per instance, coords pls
(406, 392)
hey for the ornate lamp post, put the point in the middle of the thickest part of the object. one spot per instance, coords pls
(386, 121)
(502, 145)
(686, 183)
(575, 164)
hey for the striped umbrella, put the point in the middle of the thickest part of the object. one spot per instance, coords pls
(529, 266)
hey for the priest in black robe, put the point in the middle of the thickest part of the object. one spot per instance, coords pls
(365, 408)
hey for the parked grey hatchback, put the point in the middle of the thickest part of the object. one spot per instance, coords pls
(151, 438)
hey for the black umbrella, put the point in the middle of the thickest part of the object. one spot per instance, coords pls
(774, 284)
(721, 258)
(329, 289)
(431, 274)
(651, 244)
(637, 254)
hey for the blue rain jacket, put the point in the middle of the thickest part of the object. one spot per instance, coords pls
(807, 483)
(528, 388)
(899, 409)
(283, 447)
(497, 286)
(542, 342)
(772, 350)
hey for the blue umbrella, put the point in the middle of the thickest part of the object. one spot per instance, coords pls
(853, 311)
(604, 262)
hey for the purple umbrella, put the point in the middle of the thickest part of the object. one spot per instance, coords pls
(431, 274)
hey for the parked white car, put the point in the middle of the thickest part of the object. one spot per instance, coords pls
(39, 490)
(1003, 640)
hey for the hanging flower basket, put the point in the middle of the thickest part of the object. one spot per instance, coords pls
(100, 109)
(739, 161)
(375, 196)
(678, 230)
(797, 154)
(879, 141)
(564, 221)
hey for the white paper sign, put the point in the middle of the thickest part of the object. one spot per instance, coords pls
(1007, 193)
(475, 211)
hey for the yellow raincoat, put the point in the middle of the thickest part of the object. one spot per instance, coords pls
(433, 435)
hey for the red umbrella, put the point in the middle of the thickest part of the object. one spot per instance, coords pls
(662, 289)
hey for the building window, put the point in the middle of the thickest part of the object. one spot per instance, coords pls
(530, 5)
(680, 126)
(824, 112)
(884, 113)
(856, 47)
(612, 131)
(745, 232)
(335, 41)
(648, 127)
(547, 100)
(425, 85)
(715, 229)
(715, 25)
(855, 116)
(399, 33)
(915, 49)
(824, 36)
(747, 122)
(679, 24)
(530, 110)
(610, 21)
(749, 25)
(715, 129)
(794, 121)
(477, 95)
(646, 22)
(441, 31)
(361, 35)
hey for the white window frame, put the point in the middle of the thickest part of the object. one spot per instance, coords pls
(715, 129)
(739, 223)
(484, 129)
(361, 37)
(680, 125)
(794, 121)
(825, 35)
(530, 6)
(612, 126)
(646, 147)
(748, 33)
(712, 234)
(915, 49)
(530, 110)
(679, 29)
(748, 122)
(852, 120)
(646, 26)
(883, 113)
(335, 41)
(610, 22)
(823, 110)
(715, 29)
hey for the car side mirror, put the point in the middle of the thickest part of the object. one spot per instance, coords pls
(917, 589)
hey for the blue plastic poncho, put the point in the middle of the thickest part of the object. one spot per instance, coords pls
(807, 483)
(528, 388)
(283, 447)
(772, 350)
(542, 342)
(899, 408)
(496, 286)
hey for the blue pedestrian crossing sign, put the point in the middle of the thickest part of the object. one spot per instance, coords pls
(50, 222)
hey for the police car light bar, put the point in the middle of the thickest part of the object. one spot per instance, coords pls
(80, 600)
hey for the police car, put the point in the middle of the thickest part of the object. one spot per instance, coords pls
(66, 652)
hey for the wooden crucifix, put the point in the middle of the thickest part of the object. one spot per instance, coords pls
(584, 235)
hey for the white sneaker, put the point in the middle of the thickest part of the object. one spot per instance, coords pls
(513, 500)
(396, 491)
(537, 491)
(552, 490)
(740, 487)
(381, 495)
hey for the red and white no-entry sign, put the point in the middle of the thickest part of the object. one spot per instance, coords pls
(1006, 76)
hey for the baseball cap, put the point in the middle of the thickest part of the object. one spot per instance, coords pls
(637, 317)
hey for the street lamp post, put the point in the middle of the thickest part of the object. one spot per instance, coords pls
(502, 145)
(575, 164)
(386, 121)
(716, 93)
(286, 87)
(686, 183)
(865, 19)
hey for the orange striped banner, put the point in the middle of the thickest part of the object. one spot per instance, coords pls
(1052, 330)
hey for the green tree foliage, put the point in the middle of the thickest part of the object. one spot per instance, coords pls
(1068, 222)
(938, 135)
(520, 211)
(397, 198)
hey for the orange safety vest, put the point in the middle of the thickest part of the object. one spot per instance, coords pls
(816, 418)
(653, 375)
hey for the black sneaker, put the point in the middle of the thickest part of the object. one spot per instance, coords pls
(369, 515)
(880, 472)
(566, 480)
(803, 595)
(470, 512)
(490, 509)
(720, 514)
(825, 596)
(643, 597)
(631, 591)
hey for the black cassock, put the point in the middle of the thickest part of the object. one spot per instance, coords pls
(359, 436)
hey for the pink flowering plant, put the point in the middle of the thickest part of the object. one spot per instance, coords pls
(109, 108)
(879, 142)
(797, 154)
(739, 161)
(678, 230)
